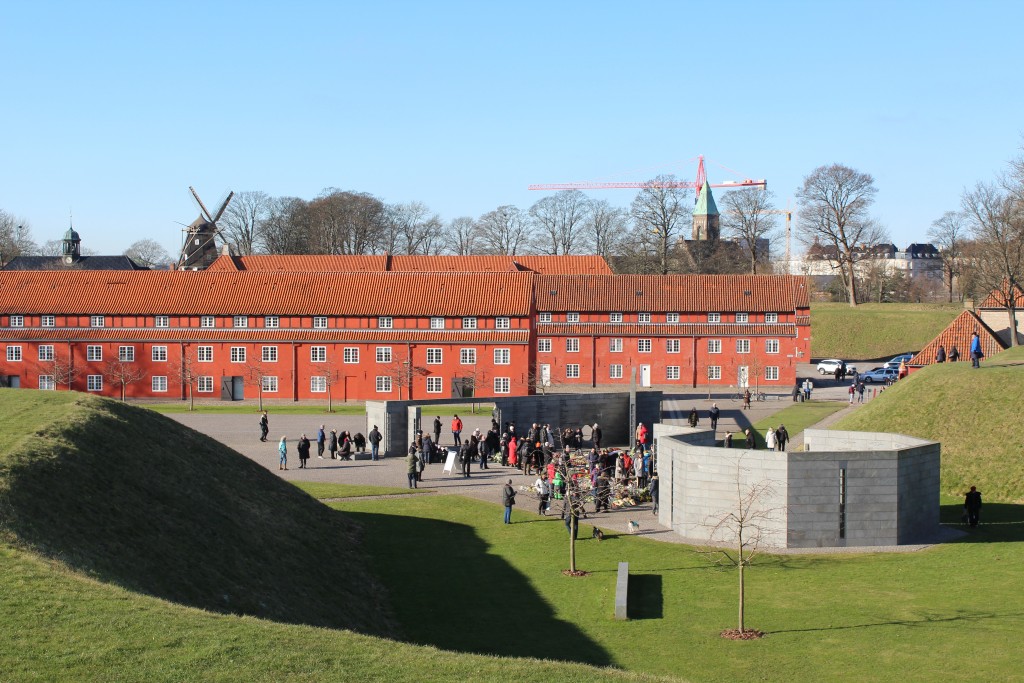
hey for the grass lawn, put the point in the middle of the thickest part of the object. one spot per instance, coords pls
(231, 408)
(796, 417)
(876, 330)
(324, 491)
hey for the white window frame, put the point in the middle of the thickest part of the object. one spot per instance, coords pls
(643, 317)
(502, 385)
(350, 355)
(383, 354)
(742, 318)
(272, 321)
(97, 321)
(435, 385)
(572, 371)
(467, 356)
(46, 352)
(643, 345)
(238, 354)
(240, 321)
(714, 372)
(14, 354)
(317, 384)
(771, 346)
(126, 354)
(771, 317)
(503, 323)
(162, 321)
(93, 353)
(672, 346)
(385, 322)
(383, 384)
(317, 354)
(47, 383)
(714, 345)
(544, 317)
(572, 317)
(204, 354)
(319, 322)
(615, 317)
(672, 372)
(48, 321)
(615, 371)
(159, 354)
(672, 318)
(158, 384)
(543, 346)
(435, 356)
(742, 346)
(615, 345)
(437, 323)
(714, 317)
(269, 354)
(503, 356)
(204, 384)
(572, 345)
(771, 373)
(17, 321)
(269, 384)
(207, 321)
(94, 383)
(469, 323)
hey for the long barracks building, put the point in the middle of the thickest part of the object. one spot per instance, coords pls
(383, 327)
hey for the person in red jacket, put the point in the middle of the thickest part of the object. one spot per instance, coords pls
(641, 436)
(457, 430)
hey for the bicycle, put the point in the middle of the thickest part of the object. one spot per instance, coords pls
(754, 396)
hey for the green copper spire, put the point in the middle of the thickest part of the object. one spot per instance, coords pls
(705, 202)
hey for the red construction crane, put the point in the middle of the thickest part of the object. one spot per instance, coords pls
(683, 184)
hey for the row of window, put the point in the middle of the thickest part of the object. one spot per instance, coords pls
(670, 318)
(269, 321)
(572, 345)
(672, 372)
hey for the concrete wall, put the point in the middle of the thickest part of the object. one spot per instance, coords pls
(999, 321)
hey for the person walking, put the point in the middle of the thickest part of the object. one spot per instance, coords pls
(374, 438)
(411, 465)
(541, 486)
(693, 419)
(860, 392)
(264, 426)
(940, 355)
(303, 448)
(282, 450)
(437, 430)
(713, 414)
(954, 355)
(781, 437)
(457, 431)
(321, 439)
(467, 455)
(976, 353)
(746, 399)
(769, 439)
(654, 492)
(508, 499)
(972, 502)
(853, 390)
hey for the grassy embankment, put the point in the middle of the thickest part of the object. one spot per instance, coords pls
(875, 330)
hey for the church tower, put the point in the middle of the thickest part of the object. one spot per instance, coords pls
(71, 249)
(705, 215)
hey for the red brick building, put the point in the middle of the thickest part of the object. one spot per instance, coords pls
(300, 327)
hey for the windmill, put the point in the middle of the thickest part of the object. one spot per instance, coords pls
(199, 250)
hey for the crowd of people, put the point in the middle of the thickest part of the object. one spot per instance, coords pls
(339, 445)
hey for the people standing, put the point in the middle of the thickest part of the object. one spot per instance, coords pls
(940, 355)
(746, 399)
(264, 426)
(654, 492)
(860, 392)
(508, 499)
(411, 464)
(437, 430)
(467, 455)
(693, 419)
(332, 443)
(641, 436)
(596, 436)
(303, 448)
(713, 414)
(321, 438)
(853, 390)
(541, 485)
(751, 444)
(972, 501)
(282, 450)
(375, 439)
(769, 439)
(976, 353)
(808, 388)
(781, 437)
(954, 355)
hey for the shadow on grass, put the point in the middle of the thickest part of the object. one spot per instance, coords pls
(961, 615)
(998, 523)
(645, 597)
(447, 590)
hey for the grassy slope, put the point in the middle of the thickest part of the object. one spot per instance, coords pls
(876, 330)
(796, 418)
(975, 414)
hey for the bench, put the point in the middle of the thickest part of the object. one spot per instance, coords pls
(622, 591)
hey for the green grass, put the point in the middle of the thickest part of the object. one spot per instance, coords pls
(796, 417)
(975, 414)
(231, 408)
(876, 330)
(325, 491)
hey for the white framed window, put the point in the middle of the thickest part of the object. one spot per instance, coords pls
(435, 356)
(672, 372)
(615, 317)
(46, 352)
(47, 383)
(502, 323)
(93, 353)
(742, 318)
(126, 354)
(502, 385)
(771, 345)
(771, 373)
(544, 317)
(239, 321)
(742, 346)
(383, 384)
(384, 355)
(771, 317)
(437, 323)
(97, 321)
(207, 321)
(14, 353)
(714, 372)
(94, 383)
(319, 322)
(467, 356)
(643, 345)
(269, 354)
(204, 354)
(271, 321)
(318, 384)
(162, 321)
(671, 346)
(469, 323)
(160, 353)
(672, 318)
(269, 384)
(615, 371)
(502, 356)
(714, 345)
(159, 384)
(714, 317)
(572, 317)
(544, 346)
(205, 384)
(615, 345)
(237, 354)
(385, 322)
(350, 355)
(48, 321)
(435, 385)
(17, 321)
(572, 371)
(317, 354)
(643, 317)
(572, 345)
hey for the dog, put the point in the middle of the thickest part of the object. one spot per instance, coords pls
(598, 534)
(632, 526)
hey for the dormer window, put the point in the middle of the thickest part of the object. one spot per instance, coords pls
(572, 317)
(615, 317)
(17, 321)
(97, 321)
(742, 318)
(240, 321)
(162, 321)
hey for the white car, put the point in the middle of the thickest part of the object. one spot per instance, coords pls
(829, 365)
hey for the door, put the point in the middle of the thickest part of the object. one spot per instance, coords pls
(237, 388)
(742, 377)
(14, 381)
(545, 375)
(645, 375)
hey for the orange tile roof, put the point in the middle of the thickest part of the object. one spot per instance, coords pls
(674, 330)
(155, 335)
(677, 293)
(997, 298)
(265, 293)
(413, 263)
(958, 334)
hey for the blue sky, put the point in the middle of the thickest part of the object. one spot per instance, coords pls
(111, 110)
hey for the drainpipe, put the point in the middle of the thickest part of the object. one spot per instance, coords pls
(695, 362)
(295, 376)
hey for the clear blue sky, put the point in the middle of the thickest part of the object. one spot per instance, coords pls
(113, 109)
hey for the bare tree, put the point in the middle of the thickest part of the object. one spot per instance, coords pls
(123, 373)
(186, 369)
(245, 220)
(559, 221)
(834, 202)
(749, 219)
(948, 233)
(51, 248)
(503, 231)
(257, 374)
(62, 370)
(409, 228)
(15, 237)
(461, 235)
(344, 222)
(332, 374)
(148, 252)
(604, 228)
(286, 229)
(659, 213)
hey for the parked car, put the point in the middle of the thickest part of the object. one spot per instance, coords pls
(880, 375)
(895, 362)
(829, 365)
